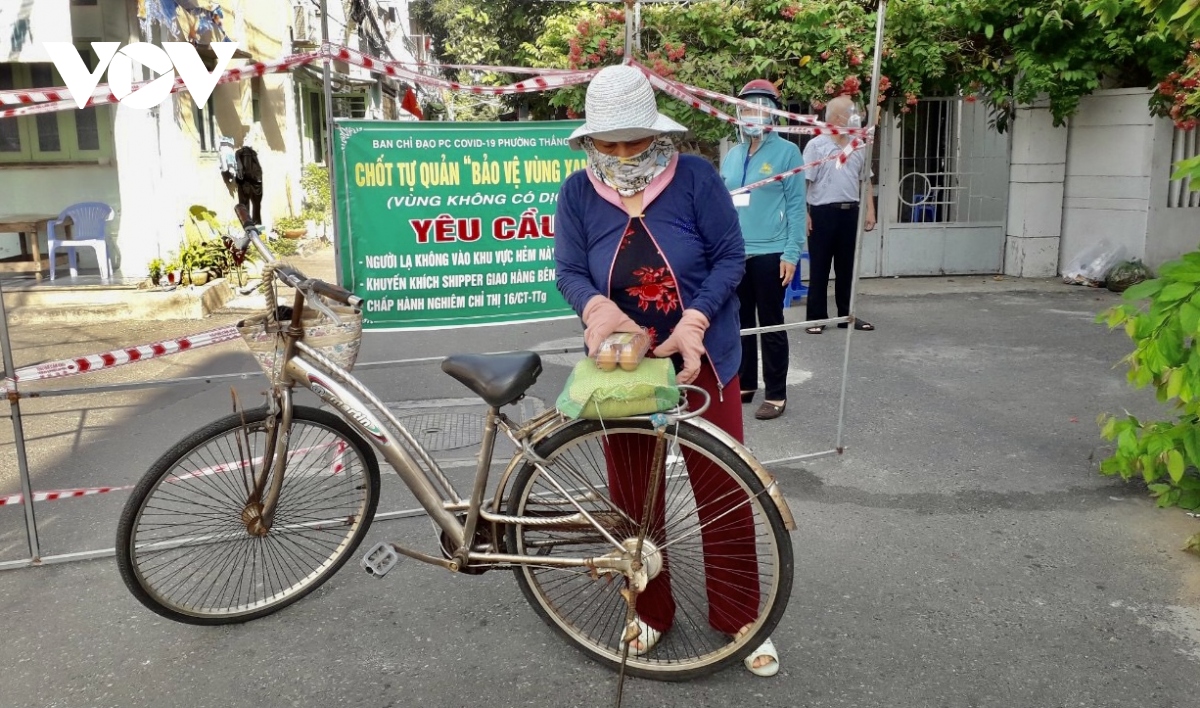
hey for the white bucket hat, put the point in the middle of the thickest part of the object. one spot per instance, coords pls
(620, 106)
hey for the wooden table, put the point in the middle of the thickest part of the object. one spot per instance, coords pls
(27, 226)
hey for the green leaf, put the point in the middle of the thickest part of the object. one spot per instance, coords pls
(1191, 446)
(1113, 465)
(1185, 274)
(1114, 316)
(1185, 8)
(1189, 318)
(988, 31)
(1189, 500)
(1186, 168)
(1108, 428)
(1127, 443)
(1189, 483)
(1158, 489)
(1150, 470)
(1175, 465)
(1174, 292)
(1170, 346)
(1174, 383)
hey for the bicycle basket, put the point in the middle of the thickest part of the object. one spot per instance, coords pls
(338, 341)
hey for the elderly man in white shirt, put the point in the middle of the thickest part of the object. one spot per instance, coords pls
(833, 203)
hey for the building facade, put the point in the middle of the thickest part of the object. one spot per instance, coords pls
(152, 165)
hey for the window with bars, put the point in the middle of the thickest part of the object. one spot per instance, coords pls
(1185, 144)
(62, 136)
(350, 105)
(256, 96)
(206, 125)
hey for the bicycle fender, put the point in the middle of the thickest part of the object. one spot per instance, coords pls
(768, 480)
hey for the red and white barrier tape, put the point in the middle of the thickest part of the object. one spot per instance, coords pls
(59, 99)
(57, 494)
(839, 156)
(680, 92)
(397, 69)
(118, 357)
(336, 468)
(31, 102)
(809, 119)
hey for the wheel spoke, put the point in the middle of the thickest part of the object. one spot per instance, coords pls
(187, 545)
(725, 553)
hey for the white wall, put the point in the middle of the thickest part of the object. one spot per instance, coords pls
(163, 172)
(44, 20)
(1171, 231)
(1110, 162)
(1037, 170)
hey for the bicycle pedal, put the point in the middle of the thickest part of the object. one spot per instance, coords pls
(380, 559)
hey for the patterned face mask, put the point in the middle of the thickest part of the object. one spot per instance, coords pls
(630, 175)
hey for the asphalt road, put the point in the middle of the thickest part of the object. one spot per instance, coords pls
(963, 552)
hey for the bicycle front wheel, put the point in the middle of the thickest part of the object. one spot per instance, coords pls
(716, 545)
(185, 545)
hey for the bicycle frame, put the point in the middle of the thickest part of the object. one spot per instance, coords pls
(305, 366)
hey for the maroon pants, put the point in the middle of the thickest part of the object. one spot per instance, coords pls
(730, 558)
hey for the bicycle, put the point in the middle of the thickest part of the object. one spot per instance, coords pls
(257, 509)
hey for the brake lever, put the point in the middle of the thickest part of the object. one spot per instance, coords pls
(314, 301)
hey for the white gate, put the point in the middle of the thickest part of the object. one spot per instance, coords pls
(943, 193)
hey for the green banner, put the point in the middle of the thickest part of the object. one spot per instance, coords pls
(451, 224)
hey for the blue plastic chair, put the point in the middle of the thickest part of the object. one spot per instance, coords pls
(920, 212)
(796, 289)
(89, 221)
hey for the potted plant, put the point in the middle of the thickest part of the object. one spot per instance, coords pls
(193, 263)
(291, 226)
(173, 272)
(156, 270)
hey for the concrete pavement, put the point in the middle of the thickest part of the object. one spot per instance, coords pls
(962, 552)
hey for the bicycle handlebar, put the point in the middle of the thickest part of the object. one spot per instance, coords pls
(288, 274)
(298, 280)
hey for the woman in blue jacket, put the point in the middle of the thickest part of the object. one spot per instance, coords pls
(773, 219)
(648, 239)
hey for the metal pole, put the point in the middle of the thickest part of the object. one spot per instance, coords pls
(14, 402)
(863, 191)
(327, 80)
(630, 30)
(637, 27)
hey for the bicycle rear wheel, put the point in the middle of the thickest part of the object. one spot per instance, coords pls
(725, 554)
(183, 545)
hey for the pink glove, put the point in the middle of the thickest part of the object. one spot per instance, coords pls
(602, 317)
(688, 340)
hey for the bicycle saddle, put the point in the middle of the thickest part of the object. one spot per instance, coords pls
(499, 379)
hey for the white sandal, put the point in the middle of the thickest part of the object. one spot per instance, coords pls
(766, 649)
(647, 637)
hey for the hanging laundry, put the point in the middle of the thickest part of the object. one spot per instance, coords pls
(230, 169)
(163, 13)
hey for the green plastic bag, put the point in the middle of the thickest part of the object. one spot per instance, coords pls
(1126, 274)
(592, 393)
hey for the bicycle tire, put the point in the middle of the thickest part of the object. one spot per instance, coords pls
(588, 611)
(213, 571)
